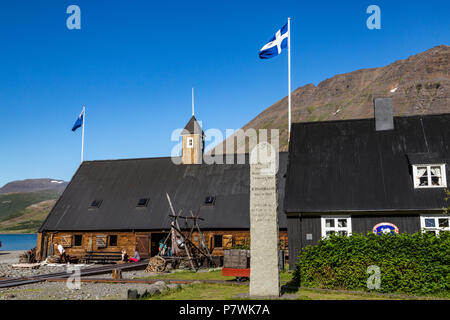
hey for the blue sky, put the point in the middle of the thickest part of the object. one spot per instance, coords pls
(133, 64)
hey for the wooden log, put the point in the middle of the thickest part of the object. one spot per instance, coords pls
(117, 274)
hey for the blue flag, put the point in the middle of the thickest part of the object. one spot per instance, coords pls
(274, 46)
(79, 122)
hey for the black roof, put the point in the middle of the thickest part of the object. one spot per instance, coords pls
(347, 166)
(120, 184)
(193, 127)
(425, 158)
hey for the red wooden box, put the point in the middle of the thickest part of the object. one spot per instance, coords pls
(234, 272)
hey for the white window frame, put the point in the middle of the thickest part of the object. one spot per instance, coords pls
(436, 227)
(190, 142)
(416, 179)
(324, 228)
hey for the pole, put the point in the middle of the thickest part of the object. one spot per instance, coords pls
(82, 135)
(289, 76)
(192, 101)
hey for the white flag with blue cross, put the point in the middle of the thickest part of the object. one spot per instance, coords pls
(274, 46)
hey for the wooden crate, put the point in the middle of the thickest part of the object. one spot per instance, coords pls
(236, 258)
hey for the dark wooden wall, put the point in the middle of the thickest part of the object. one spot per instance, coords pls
(299, 227)
(295, 239)
(125, 240)
(130, 240)
(230, 238)
(405, 223)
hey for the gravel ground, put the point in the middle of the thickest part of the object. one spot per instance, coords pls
(60, 291)
(8, 271)
(134, 274)
(10, 257)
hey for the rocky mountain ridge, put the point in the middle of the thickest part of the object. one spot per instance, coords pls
(419, 84)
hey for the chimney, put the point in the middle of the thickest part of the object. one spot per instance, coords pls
(383, 114)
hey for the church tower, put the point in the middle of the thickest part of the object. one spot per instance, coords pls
(192, 143)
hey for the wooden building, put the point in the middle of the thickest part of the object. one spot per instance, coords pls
(386, 174)
(111, 205)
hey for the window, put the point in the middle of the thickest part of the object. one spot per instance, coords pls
(434, 224)
(113, 240)
(337, 225)
(78, 240)
(218, 241)
(100, 241)
(66, 241)
(190, 142)
(96, 204)
(143, 202)
(429, 176)
(210, 200)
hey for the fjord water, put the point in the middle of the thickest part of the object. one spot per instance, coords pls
(18, 241)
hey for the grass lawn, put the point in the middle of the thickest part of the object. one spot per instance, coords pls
(222, 291)
(191, 275)
(206, 291)
(209, 275)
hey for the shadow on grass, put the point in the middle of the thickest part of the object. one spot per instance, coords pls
(289, 287)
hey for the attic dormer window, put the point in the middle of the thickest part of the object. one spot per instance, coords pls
(143, 202)
(210, 200)
(429, 176)
(190, 142)
(96, 204)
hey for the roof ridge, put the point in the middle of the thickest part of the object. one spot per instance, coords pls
(129, 159)
(160, 158)
(370, 119)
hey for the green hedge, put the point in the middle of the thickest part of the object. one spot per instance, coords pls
(409, 263)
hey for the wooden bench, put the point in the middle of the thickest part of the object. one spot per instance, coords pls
(102, 257)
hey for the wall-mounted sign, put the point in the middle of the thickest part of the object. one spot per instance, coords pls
(385, 228)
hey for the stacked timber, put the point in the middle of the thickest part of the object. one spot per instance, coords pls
(28, 256)
(53, 259)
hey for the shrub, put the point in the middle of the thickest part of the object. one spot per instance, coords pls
(409, 263)
(243, 246)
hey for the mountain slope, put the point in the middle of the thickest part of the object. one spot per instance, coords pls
(32, 185)
(25, 204)
(12, 204)
(417, 85)
(29, 219)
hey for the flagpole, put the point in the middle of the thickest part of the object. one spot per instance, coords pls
(82, 135)
(289, 76)
(192, 101)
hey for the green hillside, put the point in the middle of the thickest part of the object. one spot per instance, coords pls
(24, 212)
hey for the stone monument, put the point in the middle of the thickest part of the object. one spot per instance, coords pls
(264, 239)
